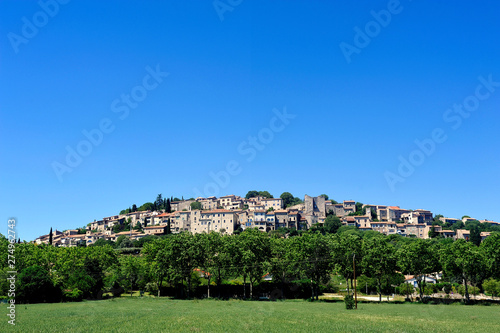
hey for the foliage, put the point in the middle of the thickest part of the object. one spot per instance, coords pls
(418, 258)
(332, 224)
(379, 260)
(406, 289)
(349, 302)
(171, 264)
(289, 200)
(251, 255)
(344, 247)
(196, 205)
(492, 287)
(146, 206)
(490, 248)
(463, 260)
(34, 285)
(253, 194)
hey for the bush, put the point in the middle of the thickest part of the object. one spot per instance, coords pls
(34, 285)
(329, 288)
(151, 288)
(446, 287)
(406, 289)
(116, 290)
(74, 295)
(349, 302)
(492, 287)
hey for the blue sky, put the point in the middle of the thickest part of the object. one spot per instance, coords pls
(350, 118)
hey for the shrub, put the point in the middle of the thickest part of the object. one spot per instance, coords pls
(406, 289)
(74, 295)
(349, 302)
(35, 286)
(492, 287)
(446, 287)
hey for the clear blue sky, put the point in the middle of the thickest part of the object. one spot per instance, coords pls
(353, 120)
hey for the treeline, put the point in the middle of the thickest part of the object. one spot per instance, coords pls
(163, 204)
(219, 265)
(160, 203)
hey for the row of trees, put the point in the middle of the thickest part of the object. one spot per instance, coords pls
(310, 258)
(160, 203)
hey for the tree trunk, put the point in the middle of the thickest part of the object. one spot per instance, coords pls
(244, 286)
(251, 288)
(347, 282)
(420, 289)
(379, 282)
(208, 291)
(158, 284)
(312, 291)
(218, 281)
(316, 287)
(189, 285)
(466, 291)
(282, 286)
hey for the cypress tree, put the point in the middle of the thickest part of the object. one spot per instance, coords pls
(50, 237)
(168, 209)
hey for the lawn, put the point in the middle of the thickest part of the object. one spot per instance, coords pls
(165, 315)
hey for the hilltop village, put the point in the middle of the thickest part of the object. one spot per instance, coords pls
(232, 214)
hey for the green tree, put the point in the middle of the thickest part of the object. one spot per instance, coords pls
(379, 260)
(313, 258)
(215, 257)
(158, 204)
(265, 194)
(34, 285)
(464, 261)
(281, 261)
(146, 206)
(475, 232)
(406, 289)
(50, 237)
(287, 198)
(132, 271)
(157, 256)
(184, 252)
(254, 250)
(196, 205)
(490, 249)
(126, 243)
(138, 226)
(418, 258)
(252, 194)
(492, 287)
(433, 233)
(168, 208)
(344, 246)
(332, 224)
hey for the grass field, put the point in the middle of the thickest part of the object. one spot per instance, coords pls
(165, 315)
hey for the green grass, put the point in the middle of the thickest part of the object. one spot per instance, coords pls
(166, 315)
